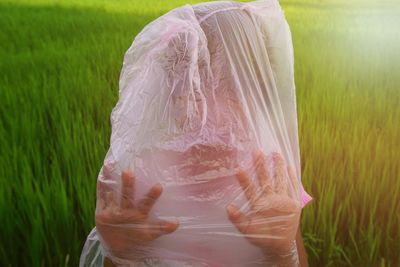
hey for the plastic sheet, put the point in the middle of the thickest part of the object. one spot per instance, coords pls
(206, 117)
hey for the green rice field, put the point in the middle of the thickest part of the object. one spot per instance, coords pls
(60, 63)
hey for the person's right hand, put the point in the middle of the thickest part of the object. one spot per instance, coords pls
(125, 229)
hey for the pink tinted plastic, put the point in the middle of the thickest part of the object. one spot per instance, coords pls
(202, 89)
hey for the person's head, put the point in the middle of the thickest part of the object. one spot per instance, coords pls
(232, 52)
(201, 78)
(210, 124)
(225, 24)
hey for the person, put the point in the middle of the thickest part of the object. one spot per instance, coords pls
(216, 121)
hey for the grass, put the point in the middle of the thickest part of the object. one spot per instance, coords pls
(60, 64)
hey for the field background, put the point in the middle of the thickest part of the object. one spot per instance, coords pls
(60, 64)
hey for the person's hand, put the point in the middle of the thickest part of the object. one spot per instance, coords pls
(272, 221)
(125, 228)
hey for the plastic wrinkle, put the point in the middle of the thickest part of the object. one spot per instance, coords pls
(203, 167)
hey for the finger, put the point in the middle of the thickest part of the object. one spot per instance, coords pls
(101, 203)
(163, 227)
(127, 190)
(101, 194)
(168, 226)
(240, 221)
(148, 201)
(279, 173)
(247, 186)
(109, 199)
(262, 173)
(104, 195)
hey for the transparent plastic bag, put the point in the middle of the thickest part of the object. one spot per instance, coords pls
(206, 117)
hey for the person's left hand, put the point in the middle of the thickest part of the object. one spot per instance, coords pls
(274, 214)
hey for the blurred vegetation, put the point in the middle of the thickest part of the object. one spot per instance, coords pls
(60, 64)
